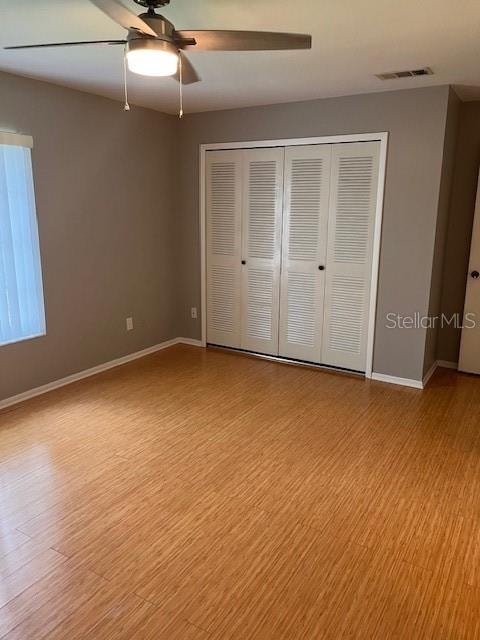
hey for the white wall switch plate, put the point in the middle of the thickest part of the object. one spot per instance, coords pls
(194, 313)
(129, 324)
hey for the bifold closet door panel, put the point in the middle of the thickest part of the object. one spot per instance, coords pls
(304, 246)
(261, 248)
(353, 196)
(224, 224)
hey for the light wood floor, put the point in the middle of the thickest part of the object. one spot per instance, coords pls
(205, 495)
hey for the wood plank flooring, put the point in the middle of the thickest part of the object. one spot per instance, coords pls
(204, 495)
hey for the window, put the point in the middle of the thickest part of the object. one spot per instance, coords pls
(22, 312)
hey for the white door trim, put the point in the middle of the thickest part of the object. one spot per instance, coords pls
(469, 355)
(381, 137)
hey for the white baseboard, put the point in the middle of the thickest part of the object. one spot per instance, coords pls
(429, 373)
(446, 364)
(416, 384)
(191, 341)
(56, 384)
(404, 382)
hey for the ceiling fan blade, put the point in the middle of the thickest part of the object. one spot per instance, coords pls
(241, 40)
(123, 16)
(189, 75)
(66, 44)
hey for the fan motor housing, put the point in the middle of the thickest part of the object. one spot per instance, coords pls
(143, 43)
(162, 27)
(152, 4)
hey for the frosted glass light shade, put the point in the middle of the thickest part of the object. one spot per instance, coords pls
(149, 57)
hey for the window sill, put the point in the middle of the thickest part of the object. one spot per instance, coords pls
(23, 338)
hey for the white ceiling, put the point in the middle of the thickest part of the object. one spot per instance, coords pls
(352, 41)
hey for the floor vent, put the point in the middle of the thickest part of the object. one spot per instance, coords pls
(410, 73)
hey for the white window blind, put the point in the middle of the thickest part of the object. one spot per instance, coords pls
(21, 293)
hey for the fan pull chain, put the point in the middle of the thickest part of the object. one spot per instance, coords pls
(125, 83)
(180, 69)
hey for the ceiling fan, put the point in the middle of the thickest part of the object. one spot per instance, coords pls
(153, 46)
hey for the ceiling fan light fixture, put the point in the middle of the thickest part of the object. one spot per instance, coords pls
(150, 57)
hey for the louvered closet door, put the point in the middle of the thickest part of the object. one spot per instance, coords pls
(223, 205)
(306, 200)
(353, 193)
(261, 247)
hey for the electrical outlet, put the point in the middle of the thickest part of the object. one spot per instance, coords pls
(129, 324)
(193, 312)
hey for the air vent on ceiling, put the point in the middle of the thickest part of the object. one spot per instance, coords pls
(409, 73)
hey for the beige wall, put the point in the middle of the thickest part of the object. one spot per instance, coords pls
(444, 197)
(416, 122)
(467, 162)
(104, 201)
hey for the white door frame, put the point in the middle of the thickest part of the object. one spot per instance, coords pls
(381, 137)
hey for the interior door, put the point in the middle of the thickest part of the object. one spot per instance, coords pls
(305, 217)
(261, 248)
(224, 223)
(353, 195)
(469, 360)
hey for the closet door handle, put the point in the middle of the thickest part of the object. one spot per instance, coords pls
(244, 262)
(321, 267)
(475, 274)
